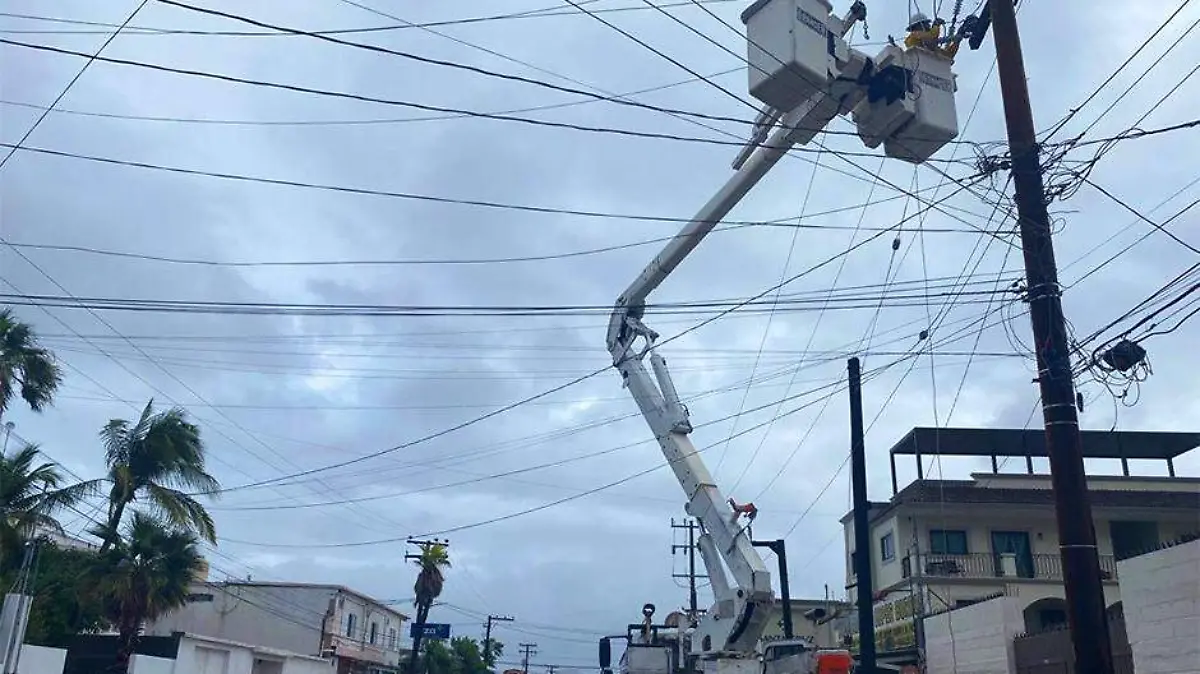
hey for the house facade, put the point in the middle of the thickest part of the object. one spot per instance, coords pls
(941, 544)
(358, 633)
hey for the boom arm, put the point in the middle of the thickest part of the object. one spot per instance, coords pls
(743, 607)
(743, 610)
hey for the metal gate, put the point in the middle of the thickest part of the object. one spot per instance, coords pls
(1050, 652)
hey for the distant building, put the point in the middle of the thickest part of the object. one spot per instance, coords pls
(66, 541)
(360, 634)
(940, 544)
(815, 619)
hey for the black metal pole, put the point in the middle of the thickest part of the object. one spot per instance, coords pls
(1086, 614)
(779, 547)
(863, 587)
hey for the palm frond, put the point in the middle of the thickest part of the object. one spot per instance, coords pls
(40, 379)
(70, 495)
(115, 435)
(182, 510)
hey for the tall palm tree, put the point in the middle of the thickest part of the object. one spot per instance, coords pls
(432, 561)
(25, 365)
(159, 459)
(30, 494)
(144, 575)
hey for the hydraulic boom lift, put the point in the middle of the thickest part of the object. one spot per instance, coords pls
(806, 75)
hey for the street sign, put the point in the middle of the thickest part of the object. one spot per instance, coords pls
(430, 630)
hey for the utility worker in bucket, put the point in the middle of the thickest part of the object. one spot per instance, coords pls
(928, 35)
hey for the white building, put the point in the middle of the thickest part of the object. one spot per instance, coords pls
(176, 654)
(939, 544)
(361, 635)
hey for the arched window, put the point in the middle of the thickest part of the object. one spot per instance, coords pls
(374, 631)
(350, 620)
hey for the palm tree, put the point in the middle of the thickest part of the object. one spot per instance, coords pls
(145, 574)
(25, 365)
(432, 560)
(156, 459)
(30, 494)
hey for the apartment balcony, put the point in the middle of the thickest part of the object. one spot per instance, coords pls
(362, 650)
(985, 565)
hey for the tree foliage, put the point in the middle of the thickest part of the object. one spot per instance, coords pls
(31, 493)
(463, 655)
(65, 600)
(25, 366)
(144, 575)
(158, 459)
(431, 578)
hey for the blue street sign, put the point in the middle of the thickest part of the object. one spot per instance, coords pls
(430, 630)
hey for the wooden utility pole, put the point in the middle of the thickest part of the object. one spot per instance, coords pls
(527, 650)
(690, 548)
(487, 636)
(1086, 615)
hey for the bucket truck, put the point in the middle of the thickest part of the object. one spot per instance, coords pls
(804, 73)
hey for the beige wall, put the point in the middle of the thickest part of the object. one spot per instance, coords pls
(1162, 609)
(976, 639)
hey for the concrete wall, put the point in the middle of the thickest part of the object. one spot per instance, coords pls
(145, 664)
(1097, 482)
(41, 660)
(308, 667)
(283, 617)
(974, 640)
(1162, 609)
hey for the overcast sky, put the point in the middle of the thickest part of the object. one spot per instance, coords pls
(277, 395)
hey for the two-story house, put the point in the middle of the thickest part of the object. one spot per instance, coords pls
(361, 634)
(938, 544)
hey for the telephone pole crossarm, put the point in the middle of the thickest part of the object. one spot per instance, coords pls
(487, 635)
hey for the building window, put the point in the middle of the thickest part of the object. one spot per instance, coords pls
(887, 547)
(350, 620)
(391, 638)
(947, 542)
(374, 631)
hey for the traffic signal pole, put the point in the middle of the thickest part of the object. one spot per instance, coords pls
(1086, 614)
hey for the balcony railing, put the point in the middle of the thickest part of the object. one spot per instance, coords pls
(987, 565)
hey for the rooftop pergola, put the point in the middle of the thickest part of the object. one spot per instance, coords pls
(1028, 443)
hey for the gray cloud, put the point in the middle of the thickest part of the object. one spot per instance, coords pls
(299, 385)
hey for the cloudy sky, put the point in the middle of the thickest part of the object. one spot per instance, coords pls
(552, 514)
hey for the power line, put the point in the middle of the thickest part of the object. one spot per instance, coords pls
(839, 387)
(555, 10)
(1142, 45)
(550, 391)
(37, 122)
(218, 121)
(449, 64)
(105, 252)
(1143, 218)
(501, 518)
(327, 309)
(410, 196)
